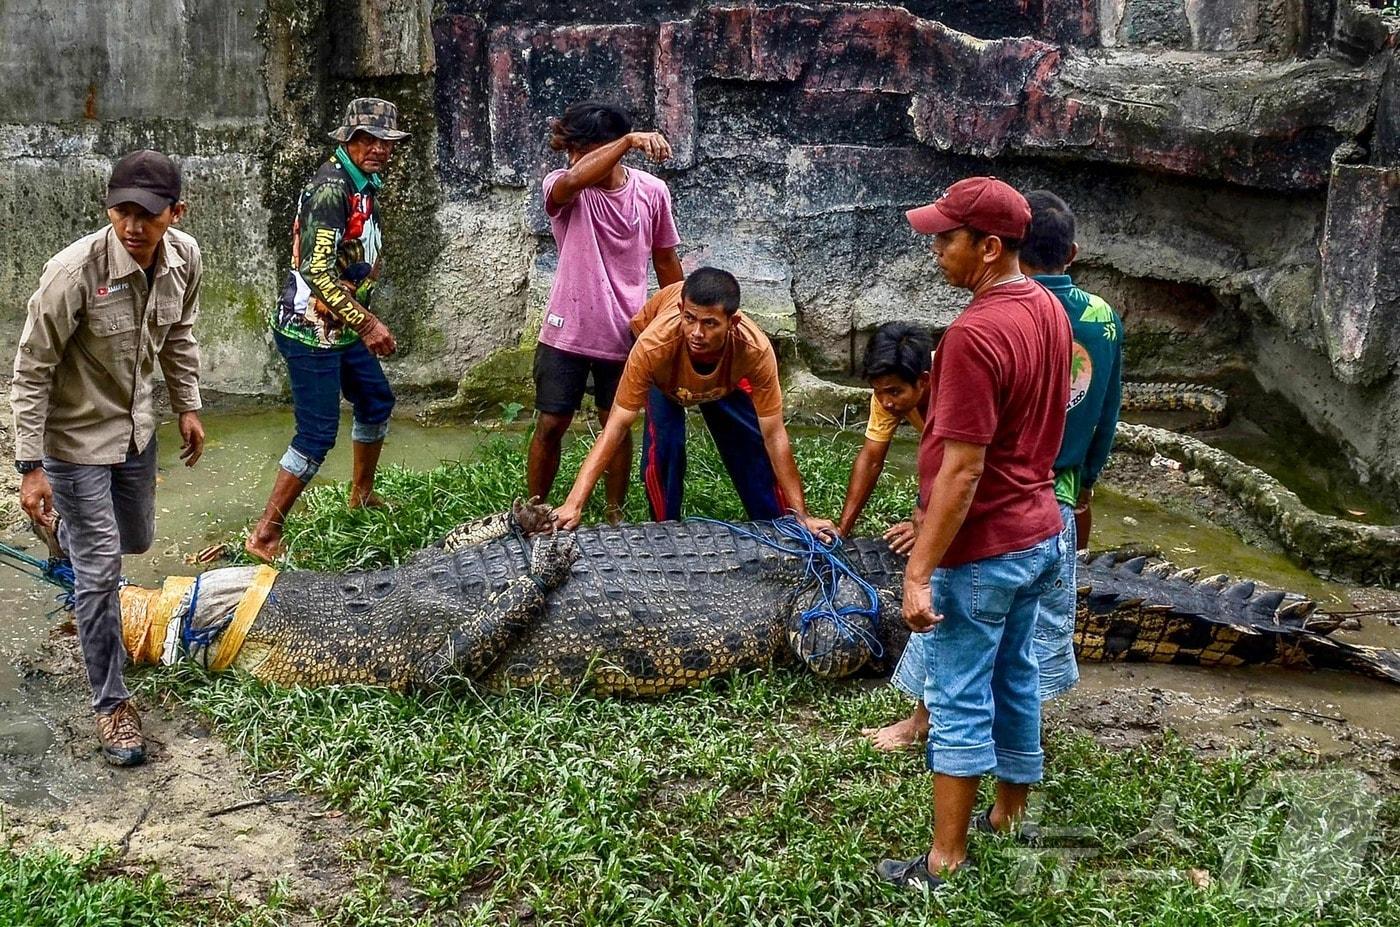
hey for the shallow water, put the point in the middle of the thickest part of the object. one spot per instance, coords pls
(215, 500)
(1297, 457)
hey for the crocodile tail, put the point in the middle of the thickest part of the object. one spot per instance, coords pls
(1376, 662)
(1132, 610)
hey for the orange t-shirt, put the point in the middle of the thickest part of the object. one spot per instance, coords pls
(660, 359)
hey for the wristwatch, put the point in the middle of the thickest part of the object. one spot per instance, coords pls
(28, 466)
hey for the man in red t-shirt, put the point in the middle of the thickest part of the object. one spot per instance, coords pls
(989, 541)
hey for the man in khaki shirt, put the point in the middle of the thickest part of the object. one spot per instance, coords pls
(107, 308)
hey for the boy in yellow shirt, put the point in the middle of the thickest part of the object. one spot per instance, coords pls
(896, 364)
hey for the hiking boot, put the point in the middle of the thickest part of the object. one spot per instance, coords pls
(120, 733)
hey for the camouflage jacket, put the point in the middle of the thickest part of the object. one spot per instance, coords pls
(336, 241)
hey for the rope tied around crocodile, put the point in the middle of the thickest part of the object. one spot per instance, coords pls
(825, 568)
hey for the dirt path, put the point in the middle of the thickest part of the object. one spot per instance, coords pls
(193, 812)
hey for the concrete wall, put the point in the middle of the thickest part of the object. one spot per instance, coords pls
(85, 82)
(1232, 163)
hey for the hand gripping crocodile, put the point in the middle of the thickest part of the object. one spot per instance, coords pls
(646, 609)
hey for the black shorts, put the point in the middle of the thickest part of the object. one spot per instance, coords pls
(561, 379)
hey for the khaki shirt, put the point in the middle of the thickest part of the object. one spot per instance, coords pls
(83, 371)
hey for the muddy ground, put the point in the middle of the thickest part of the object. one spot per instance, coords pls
(193, 811)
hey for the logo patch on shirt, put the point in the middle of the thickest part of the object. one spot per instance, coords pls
(112, 288)
(556, 320)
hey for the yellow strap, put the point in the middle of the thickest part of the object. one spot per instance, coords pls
(172, 593)
(146, 614)
(248, 607)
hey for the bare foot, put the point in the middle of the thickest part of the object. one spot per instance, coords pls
(372, 501)
(265, 549)
(898, 736)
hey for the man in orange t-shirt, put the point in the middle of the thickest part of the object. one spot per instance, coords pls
(695, 349)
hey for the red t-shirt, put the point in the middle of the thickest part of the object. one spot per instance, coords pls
(1001, 375)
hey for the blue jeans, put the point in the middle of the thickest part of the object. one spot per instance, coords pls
(1054, 628)
(1054, 632)
(319, 376)
(981, 683)
(733, 423)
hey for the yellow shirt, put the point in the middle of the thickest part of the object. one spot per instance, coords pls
(882, 425)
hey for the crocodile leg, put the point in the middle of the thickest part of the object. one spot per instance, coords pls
(472, 648)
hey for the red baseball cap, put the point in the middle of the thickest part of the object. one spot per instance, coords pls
(986, 204)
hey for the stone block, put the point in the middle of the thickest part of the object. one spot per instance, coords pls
(1070, 22)
(140, 59)
(1144, 22)
(464, 131)
(383, 38)
(535, 71)
(1359, 295)
(1272, 26)
(1385, 143)
(477, 293)
(765, 279)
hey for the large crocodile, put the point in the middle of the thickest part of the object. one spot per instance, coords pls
(647, 609)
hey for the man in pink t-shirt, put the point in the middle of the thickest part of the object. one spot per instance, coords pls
(609, 222)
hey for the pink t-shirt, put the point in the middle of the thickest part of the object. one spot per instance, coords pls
(605, 239)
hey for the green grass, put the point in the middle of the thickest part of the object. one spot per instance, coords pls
(751, 800)
(324, 535)
(50, 889)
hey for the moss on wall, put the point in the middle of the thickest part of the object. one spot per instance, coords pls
(307, 101)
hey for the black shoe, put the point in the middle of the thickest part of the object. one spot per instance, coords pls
(1027, 833)
(913, 873)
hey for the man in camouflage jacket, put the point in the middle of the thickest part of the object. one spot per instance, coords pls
(322, 324)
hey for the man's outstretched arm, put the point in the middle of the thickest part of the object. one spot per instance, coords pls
(864, 472)
(568, 515)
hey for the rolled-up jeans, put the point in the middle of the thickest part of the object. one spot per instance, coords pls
(104, 512)
(318, 378)
(980, 680)
(1054, 625)
(1054, 631)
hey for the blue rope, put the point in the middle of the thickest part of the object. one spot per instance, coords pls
(201, 639)
(825, 566)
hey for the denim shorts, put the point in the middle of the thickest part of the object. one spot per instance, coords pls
(981, 683)
(1054, 626)
(1054, 632)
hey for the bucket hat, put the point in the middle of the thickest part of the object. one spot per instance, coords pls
(379, 118)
